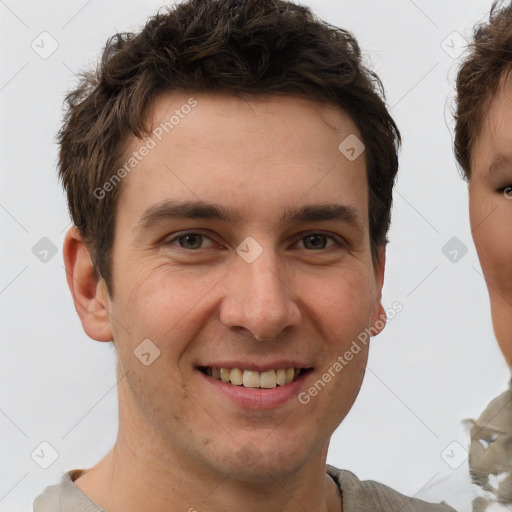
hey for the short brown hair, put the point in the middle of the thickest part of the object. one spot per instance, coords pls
(488, 61)
(240, 47)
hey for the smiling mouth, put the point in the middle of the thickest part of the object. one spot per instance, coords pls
(267, 379)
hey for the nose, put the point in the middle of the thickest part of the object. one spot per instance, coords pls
(259, 299)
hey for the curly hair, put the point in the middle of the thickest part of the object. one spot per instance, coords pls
(246, 48)
(488, 61)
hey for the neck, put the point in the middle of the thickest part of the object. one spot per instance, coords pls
(147, 475)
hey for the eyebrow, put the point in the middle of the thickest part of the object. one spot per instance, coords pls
(169, 209)
(499, 161)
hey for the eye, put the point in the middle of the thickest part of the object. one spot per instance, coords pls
(191, 241)
(318, 241)
(194, 241)
(506, 191)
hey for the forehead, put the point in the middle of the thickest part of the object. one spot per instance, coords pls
(493, 143)
(224, 149)
(226, 119)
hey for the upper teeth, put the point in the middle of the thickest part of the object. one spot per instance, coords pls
(254, 379)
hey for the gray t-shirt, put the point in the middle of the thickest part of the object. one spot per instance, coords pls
(367, 496)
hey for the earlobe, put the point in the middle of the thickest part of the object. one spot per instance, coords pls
(90, 295)
(379, 316)
(379, 319)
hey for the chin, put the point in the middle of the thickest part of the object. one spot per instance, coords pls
(506, 348)
(503, 332)
(267, 469)
(264, 461)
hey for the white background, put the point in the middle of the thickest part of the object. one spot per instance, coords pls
(436, 362)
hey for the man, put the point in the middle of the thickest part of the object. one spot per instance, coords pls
(229, 173)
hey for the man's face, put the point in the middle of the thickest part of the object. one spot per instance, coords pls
(264, 264)
(490, 200)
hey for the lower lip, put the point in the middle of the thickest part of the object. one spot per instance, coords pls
(257, 398)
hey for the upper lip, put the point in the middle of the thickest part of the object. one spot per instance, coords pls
(256, 367)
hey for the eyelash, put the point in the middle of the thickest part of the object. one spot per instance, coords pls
(337, 240)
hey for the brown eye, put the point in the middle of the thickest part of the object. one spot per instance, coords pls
(191, 241)
(317, 241)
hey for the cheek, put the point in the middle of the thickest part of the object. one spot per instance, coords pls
(161, 304)
(344, 306)
(491, 223)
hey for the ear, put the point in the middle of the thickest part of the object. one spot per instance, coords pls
(90, 294)
(379, 316)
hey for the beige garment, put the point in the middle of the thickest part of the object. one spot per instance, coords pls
(358, 496)
(490, 454)
(66, 497)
